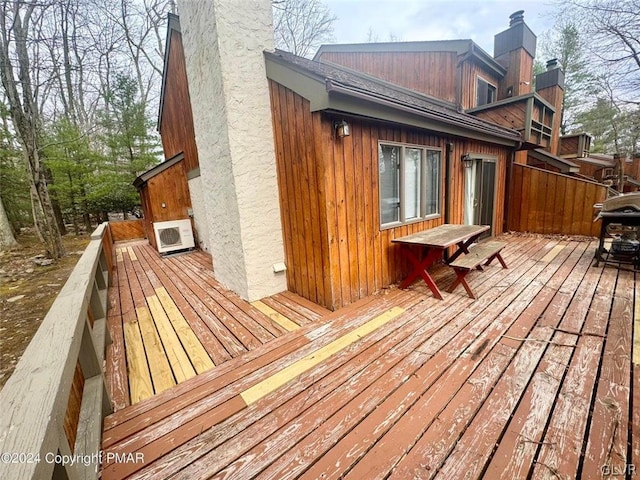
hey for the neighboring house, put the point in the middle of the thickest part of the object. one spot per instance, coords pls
(372, 142)
(600, 167)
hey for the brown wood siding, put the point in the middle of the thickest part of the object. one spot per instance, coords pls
(72, 415)
(335, 251)
(176, 128)
(589, 169)
(554, 95)
(148, 216)
(512, 115)
(519, 73)
(433, 73)
(127, 230)
(168, 194)
(165, 197)
(569, 146)
(470, 73)
(551, 203)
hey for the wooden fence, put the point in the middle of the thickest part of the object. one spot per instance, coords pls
(127, 230)
(546, 202)
(53, 405)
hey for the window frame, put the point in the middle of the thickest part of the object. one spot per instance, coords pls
(422, 216)
(489, 84)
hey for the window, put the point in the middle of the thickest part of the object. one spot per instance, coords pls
(409, 183)
(485, 92)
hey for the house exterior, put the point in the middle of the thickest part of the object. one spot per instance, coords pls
(498, 88)
(370, 142)
(164, 194)
(400, 170)
(175, 125)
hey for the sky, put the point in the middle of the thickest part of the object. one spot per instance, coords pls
(413, 20)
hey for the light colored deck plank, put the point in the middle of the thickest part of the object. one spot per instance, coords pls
(159, 367)
(139, 378)
(196, 352)
(270, 384)
(277, 317)
(159, 279)
(178, 358)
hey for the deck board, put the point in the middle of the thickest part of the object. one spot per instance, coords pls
(534, 379)
(185, 322)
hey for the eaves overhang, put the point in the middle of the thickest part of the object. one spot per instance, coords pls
(326, 94)
(143, 178)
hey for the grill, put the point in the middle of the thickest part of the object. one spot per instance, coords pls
(621, 223)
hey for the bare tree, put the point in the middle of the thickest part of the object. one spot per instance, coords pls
(613, 29)
(16, 21)
(301, 26)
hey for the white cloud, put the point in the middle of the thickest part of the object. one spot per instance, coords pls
(412, 20)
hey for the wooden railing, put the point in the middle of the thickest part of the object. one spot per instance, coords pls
(546, 202)
(127, 230)
(53, 404)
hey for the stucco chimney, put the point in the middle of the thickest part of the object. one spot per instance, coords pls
(515, 49)
(223, 45)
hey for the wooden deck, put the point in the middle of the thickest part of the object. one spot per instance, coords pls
(534, 379)
(170, 321)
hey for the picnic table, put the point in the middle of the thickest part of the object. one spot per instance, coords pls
(432, 243)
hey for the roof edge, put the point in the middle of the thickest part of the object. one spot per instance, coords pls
(173, 25)
(143, 178)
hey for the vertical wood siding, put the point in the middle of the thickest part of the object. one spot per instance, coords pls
(551, 203)
(176, 127)
(470, 74)
(336, 252)
(433, 73)
(72, 415)
(168, 188)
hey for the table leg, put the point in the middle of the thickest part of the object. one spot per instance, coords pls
(463, 247)
(420, 270)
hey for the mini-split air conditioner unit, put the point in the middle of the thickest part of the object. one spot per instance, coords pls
(173, 235)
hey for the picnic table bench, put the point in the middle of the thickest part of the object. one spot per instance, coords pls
(481, 253)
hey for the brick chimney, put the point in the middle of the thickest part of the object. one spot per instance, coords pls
(223, 45)
(515, 49)
(550, 86)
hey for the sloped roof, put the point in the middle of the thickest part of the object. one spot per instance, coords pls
(143, 178)
(333, 87)
(594, 160)
(562, 164)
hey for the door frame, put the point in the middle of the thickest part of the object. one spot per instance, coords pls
(482, 159)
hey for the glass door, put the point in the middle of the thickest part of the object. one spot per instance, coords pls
(479, 192)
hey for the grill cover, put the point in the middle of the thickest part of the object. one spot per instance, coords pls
(629, 201)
